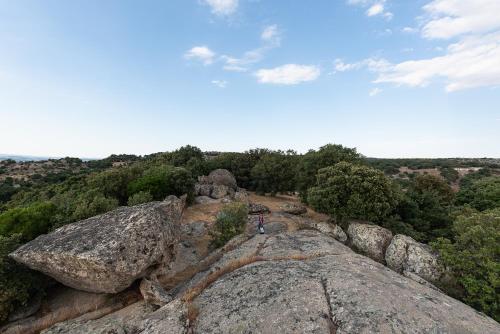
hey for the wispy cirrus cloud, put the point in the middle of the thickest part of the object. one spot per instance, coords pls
(289, 74)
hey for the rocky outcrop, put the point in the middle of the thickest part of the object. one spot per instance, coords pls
(294, 208)
(219, 184)
(295, 282)
(370, 240)
(406, 256)
(333, 230)
(107, 253)
(257, 208)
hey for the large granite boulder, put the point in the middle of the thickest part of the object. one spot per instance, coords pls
(295, 282)
(222, 177)
(405, 255)
(108, 252)
(370, 240)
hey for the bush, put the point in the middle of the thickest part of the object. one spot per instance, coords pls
(474, 259)
(139, 198)
(17, 283)
(92, 203)
(114, 182)
(351, 191)
(29, 222)
(230, 222)
(161, 181)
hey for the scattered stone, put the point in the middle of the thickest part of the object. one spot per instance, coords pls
(405, 255)
(257, 208)
(108, 252)
(370, 240)
(333, 230)
(154, 293)
(294, 208)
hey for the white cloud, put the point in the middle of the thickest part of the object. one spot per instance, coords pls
(473, 60)
(270, 34)
(201, 53)
(220, 83)
(271, 38)
(375, 91)
(222, 7)
(289, 74)
(409, 30)
(451, 18)
(374, 7)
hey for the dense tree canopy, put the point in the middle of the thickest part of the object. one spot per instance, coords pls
(353, 191)
(482, 194)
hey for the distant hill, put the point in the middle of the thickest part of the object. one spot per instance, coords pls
(24, 157)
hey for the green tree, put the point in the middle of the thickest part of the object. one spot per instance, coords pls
(311, 162)
(352, 191)
(164, 180)
(474, 258)
(482, 194)
(29, 221)
(113, 183)
(275, 172)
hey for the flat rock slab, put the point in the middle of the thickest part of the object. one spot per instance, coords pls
(106, 253)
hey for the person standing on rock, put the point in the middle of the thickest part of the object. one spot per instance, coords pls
(261, 224)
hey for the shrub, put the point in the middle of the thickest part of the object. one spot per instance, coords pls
(92, 203)
(114, 182)
(275, 172)
(474, 259)
(17, 283)
(161, 181)
(139, 198)
(351, 191)
(29, 221)
(230, 222)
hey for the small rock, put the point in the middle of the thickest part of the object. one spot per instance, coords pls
(370, 240)
(241, 195)
(154, 293)
(294, 208)
(204, 200)
(257, 208)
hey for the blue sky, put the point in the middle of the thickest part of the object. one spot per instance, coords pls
(392, 78)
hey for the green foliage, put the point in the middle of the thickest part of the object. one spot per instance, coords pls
(230, 222)
(426, 206)
(351, 191)
(139, 198)
(449, 174)
(114, 182)
(275, 172)
(29, 221)
(92, 203)
(313, 161)
(482, 194)
(17, 283)
(164, 180)
(474, 258)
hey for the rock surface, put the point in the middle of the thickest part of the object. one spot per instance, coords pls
(219, 184)
(294, 208)
(222, 177)
(295, 282)
(405, 255)
(106, 253)
(154, 293)
(333, 230)
(370, 240)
